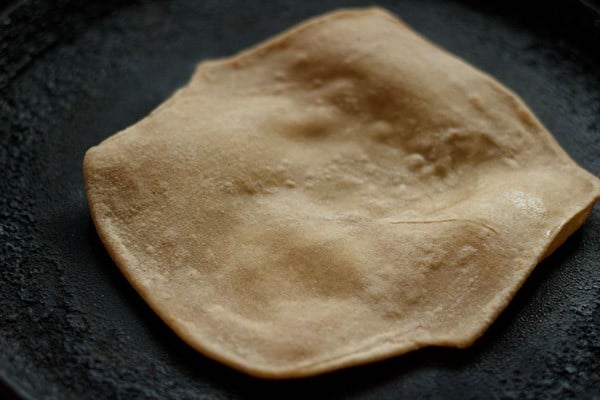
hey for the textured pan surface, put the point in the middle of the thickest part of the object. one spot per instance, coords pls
(71, 327)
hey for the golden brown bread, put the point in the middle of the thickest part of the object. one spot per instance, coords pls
(342, 193)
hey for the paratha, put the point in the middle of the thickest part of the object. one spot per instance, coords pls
(342, 193)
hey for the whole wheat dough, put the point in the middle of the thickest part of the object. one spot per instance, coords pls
(342, 193)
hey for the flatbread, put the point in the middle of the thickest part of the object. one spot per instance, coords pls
(342, 193)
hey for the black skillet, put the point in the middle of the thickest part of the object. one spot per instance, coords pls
(74, 72)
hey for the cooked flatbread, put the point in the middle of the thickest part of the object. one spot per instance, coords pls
(342, 193)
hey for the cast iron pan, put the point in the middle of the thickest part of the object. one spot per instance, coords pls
(74, 72)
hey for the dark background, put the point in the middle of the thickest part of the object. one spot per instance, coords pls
(75, 72)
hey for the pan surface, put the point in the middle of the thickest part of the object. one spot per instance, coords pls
(72, 73)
